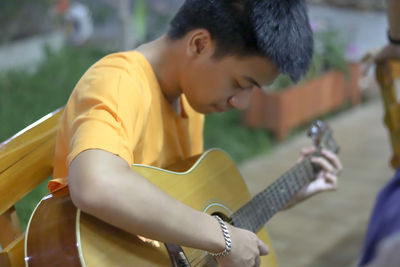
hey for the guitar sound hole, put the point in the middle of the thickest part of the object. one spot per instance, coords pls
(223, 217)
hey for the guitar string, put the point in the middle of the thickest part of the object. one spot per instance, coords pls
(279, 197)
(279, 193)
(299, 177)
(207, 260)
(203, 259)
(195, 258)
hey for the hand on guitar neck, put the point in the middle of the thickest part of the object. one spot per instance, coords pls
(327, 177)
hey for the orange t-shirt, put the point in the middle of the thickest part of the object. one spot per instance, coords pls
(118, 106)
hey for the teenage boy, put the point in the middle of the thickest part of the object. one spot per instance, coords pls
(145, 106)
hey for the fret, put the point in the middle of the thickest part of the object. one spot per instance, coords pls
(275, 201)
(239, 219)
(298, 177)
(263, 200)
(268, 200)
(309, 168)
(289, 190)
(272, 203)
(260, 218)
(264, 205)
(282, 192)
(290, 178)
(303, 177)
(292, 185)
(293, 179)
(304, 172)
(253, 218)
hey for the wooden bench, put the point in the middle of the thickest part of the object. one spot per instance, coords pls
(26, 160)
(387, 73)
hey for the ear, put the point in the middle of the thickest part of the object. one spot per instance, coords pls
(200, 43)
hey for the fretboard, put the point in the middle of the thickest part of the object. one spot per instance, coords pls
(255, 213)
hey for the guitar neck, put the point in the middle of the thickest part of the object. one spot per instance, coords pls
(255, 213)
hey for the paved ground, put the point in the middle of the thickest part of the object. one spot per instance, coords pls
(328, 229)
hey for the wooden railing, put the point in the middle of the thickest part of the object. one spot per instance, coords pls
(26, 160)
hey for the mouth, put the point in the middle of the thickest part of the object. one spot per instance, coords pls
(221, 109)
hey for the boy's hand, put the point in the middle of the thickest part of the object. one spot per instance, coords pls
(246, 249)
(327, 178)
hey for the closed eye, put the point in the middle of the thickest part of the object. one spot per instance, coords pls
(237, 85)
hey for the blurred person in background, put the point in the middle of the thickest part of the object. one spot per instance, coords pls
(382, 241)
(147, 107)
(78, 21)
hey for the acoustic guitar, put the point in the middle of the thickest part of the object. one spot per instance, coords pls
(59, 234)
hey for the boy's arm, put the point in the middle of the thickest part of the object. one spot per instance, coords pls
(103, 185)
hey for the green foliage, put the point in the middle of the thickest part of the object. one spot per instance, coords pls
(26, 206)
(329, 54)
(282, 81)
(21, 18)
(224, 130)
(140, 19)
(26, 97)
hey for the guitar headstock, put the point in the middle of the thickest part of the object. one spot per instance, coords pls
(321, 135)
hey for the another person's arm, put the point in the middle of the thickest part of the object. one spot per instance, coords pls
(391, 50)
(393, 13)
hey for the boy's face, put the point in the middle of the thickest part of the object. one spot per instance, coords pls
(212, 85)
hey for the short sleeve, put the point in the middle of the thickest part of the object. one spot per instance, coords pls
(109, 113)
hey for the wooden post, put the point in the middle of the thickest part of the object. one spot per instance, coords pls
(9, 227)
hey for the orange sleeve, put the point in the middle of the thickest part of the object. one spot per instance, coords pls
(109, 114)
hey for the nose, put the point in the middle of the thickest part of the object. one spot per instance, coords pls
(241, 100)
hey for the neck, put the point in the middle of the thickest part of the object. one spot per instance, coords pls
(163, 55)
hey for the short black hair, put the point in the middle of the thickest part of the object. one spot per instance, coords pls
(276, 29)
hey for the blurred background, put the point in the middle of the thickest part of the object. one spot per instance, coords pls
(46, 45)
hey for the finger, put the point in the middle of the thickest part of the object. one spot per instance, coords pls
(323, 163)
(325, 182)
(305, 151)
(263, 248)
(331, 179)
(334, 159)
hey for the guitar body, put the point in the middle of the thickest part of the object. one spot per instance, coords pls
(60, 235)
